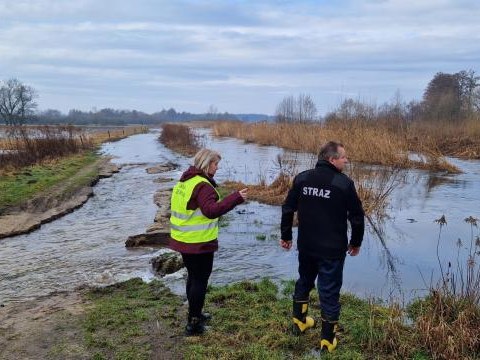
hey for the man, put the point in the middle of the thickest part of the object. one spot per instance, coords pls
(324, 199)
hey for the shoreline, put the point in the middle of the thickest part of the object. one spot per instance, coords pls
(34, 214)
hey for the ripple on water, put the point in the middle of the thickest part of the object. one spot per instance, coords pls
(87, 246)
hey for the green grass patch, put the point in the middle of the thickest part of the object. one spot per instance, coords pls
(18, 187)
(119, 324)
(253, 321)
(250, 321)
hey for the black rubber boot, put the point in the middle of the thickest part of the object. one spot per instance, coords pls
(328, 341)
(205, 317)
(301, 322)
(195, 326)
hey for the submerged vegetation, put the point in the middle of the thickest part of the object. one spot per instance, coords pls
(365, 143)
(252, 320)
(380, 154)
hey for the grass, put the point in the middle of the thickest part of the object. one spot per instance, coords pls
(374, 190)
(123, 321)
(365, 142)
(459, 139)
(30, 145)
(273, 194)
(20, 185)
(100, 137)
(52, 166)
(252, 320)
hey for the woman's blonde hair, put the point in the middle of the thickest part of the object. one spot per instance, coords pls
(204, 158)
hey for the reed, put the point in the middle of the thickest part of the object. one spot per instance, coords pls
(99, 137)
(365, 142)
(460, 139)
(273, 194)
(29, 146)
(448, 319)
(179, 138)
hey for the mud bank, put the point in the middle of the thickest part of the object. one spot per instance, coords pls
(55, 203)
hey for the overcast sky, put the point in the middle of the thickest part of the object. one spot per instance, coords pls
(241, 56)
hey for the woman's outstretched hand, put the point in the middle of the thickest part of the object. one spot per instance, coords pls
(243, 193)
(286, 244)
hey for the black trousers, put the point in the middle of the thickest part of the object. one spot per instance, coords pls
(199, 267)
(329, 275)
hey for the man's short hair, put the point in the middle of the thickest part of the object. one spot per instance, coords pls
(330, 150)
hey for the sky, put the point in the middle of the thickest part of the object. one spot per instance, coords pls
(239, 56)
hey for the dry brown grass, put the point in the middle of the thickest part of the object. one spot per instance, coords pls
(374, 186)
(366, 143)
(460, 139)
(273, 194)
(448, 327)
(115, 134)
(29, 145)
(372, 191)
(180, 138)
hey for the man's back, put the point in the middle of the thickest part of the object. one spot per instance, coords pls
(324, 198)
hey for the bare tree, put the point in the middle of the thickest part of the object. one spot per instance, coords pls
(17, 102)
(306, 109)
(469, 85)
(302, 109)
(286, 110)
(212, 113)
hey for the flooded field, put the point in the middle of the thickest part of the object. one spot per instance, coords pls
(87, 246)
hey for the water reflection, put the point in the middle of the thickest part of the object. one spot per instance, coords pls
(398, 256)
(434, 180)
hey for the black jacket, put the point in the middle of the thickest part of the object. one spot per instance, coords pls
(324, 198)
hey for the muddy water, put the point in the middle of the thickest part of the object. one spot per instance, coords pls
(404, 267)
(87, 246)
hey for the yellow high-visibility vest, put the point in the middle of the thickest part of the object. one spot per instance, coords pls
(190, 226)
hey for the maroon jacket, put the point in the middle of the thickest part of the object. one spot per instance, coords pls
(206, 198)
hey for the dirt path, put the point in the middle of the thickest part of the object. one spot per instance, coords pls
(60, 200)
(44, 328)
(52, 327)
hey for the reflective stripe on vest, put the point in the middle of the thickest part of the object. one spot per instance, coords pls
(190, 226)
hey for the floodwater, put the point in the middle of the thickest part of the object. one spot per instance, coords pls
(87, 246)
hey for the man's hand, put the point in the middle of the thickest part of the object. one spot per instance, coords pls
(286, 244)
(353, 251)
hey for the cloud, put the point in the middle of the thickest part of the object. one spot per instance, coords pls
(242, 54)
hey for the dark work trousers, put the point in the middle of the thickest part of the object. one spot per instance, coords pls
(329, 275)
(199, 268)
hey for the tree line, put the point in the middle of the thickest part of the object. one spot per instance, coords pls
(447, 97)
(18, 106)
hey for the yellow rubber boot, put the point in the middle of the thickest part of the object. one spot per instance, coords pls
(329, 341)
(301, 322)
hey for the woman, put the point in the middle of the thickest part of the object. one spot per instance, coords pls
(195, 209)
